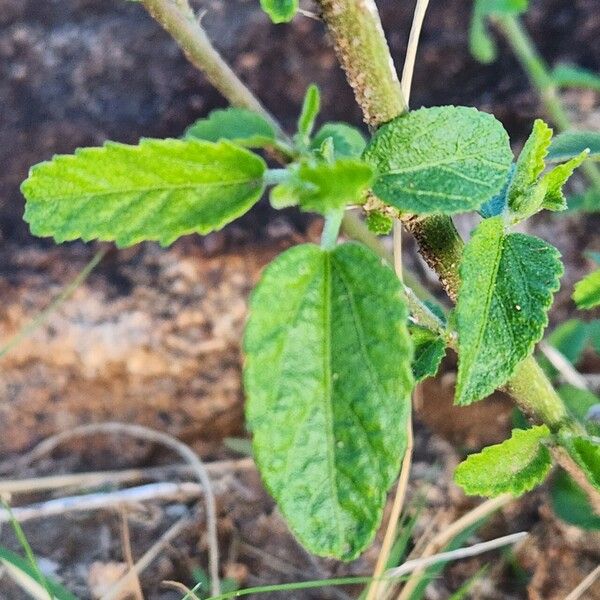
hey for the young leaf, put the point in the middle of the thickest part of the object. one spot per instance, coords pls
(348, 142)
(482, 46)
(523, 196)
(379, 223)
(328, 381)
(157, 190)
(571, 504)
(572, 143)
(429, 351)
(280, 11)
(576, 77)
(516, 465)
(587, 455)
(587, 291)
(507, 284)
(325, 187)
(238, 125)
(553, 181)
(310, 110)
(446, 160)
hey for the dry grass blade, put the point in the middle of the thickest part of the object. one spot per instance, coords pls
(585, 585)
(157, 437)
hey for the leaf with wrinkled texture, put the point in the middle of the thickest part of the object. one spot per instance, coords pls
(157, 190)
(515, 466)
(554, 180)
(524, 196)
(507, 286)
(328, 380)
(570, 144)
(587, 291)
(238, 125)
(447, 159)
(325, 187)
(280, 11)
(429, 350)
(348, 142)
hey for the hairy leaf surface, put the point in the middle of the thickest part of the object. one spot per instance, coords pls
(587, 291)
(328, 381)
(157, 190)
(446, 159)
(507, 285)
(554, 180)
(238, 125)
(429, 350)
(587, 455)
(516, 465)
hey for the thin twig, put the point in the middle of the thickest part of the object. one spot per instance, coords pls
(444, 537)
(128, 554)
(148, 558)
(43, 316)
(101, 478)
(585, 584)
(419, 564)
(411, 50)
(560, 362)
(390, 533)
(164, 491)
(158, 437)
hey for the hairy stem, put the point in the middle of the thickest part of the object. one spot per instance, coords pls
(538, 72)
(438, 240)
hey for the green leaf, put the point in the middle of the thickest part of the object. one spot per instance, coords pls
(516, 465)
(570, 338)
(157, 190)
(553, 181)
(481, 44)
(587, 291)
(507, 285)
(565, 75)
(379, 223)
(571, 504)
(587, 202)
(348, 142)
(310, 109)
(280, 11)
(587, 455)
(328, 381)
(524, 196)
(572, 143)
(325, 187)
(580, 403)
(446, 160)
(238, 125)
(429, 351)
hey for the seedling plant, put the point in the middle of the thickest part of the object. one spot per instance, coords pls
(335, 342)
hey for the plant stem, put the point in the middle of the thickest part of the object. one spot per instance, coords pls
(363, 49)
(438, 240)
(538, 72)
(331, 229)
(179, 20)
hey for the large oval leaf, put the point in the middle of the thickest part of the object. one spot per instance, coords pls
(157, 190)
(328, 381)
(507, 286)
(448, 159)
